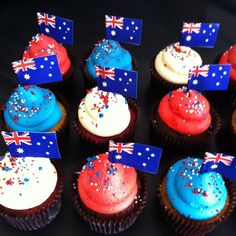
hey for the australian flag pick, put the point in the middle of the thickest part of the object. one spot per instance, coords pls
(117, 81)
(209, 77)
(37, 70)
(123, 29)
(199, 34)
(221, 163)
(143, 157)
(56, 27)
(26, 144)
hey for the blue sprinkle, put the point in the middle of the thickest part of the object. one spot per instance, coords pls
(26, 179)
(107, 106)
(90, 179)
(106, 182)
(40, 168)
(100, 115)
(112, 171)
(6, 169)
(98, 174)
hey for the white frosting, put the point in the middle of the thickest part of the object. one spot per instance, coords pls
(26, 182)
(104, 113)
(174, 62)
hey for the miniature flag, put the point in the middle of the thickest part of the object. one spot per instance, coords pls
(56, 27)
(199, 34)
(143, 157)
(123, 29)
(221, 163)
(209, 77)
(117, 81)
(39, 70)
(26, 144)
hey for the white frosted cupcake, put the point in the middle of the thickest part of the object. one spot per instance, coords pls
(170, 67)
(102, 116)
(31, 191)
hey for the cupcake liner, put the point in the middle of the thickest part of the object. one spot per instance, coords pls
(185, 226)
(67, 78)
(61, 132)
(102, 142)
(89, 81)
(110, 224)
(169, 137)
(37, 217)
(160, 86)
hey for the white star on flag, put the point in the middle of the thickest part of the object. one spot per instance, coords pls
(104, 84)
(113, 32)
(118, 157)
(27, 76)
(20, 150)
(195, 81)
(214, 166)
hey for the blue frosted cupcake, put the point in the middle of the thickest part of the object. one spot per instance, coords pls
(194, 203)
(106, 53)
(35, 109)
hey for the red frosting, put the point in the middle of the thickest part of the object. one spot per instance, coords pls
(42, 45)
(105, 187)
(229, 57)
(185, 112)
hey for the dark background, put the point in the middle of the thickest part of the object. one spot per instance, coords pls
(161, 26)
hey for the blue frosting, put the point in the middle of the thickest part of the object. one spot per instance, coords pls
(32, 109)
(108, 53)
(198, 196)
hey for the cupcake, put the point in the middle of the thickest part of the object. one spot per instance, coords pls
(184, 119)
(229, 57)
(31, 190)
(42, 45)
(98, 118)
(35, 109)
(170, 67)
(194, 203)
(106, 53)
(109, 197)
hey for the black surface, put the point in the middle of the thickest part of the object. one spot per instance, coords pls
(162, 25)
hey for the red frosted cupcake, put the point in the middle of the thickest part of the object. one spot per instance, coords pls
(109, 197)
(184, 119)
(42, 45)
(229, 57)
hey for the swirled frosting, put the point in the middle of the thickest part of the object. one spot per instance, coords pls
(185, 112)
(104, 113)
(195, 195)
(26, 182)
(174, 62)
(105, 187)
(33, 109)
(229, 57)
(108, 53)
(42, 45)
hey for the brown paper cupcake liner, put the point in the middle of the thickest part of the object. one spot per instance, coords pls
(160, 86)
(67, 78)
(185, 226)
(169, 137)
(102, 142)
(40, 216)
(110, 224)
(61, 131)
(89, 81)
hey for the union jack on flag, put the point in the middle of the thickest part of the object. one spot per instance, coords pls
(121, 147)
(221, 163)
(140, 156)
(209, 77)
(191, 27)
(117, 81)
(16, 138)
(109, 73)
(199, 34)
(123, 29)
(114, 21)
(217, 158)
(39, 70)
(56, 27)
(27, 144)
(24, 65)
(44, 18)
